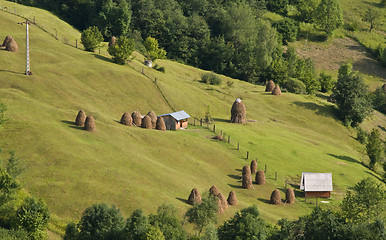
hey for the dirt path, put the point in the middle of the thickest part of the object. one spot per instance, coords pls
(342, 50)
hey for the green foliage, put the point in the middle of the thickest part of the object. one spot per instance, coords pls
(159, 69)
(326, 82)
(381, 53)
(366, 202)
(277, 6)
(208, 115)
(371, 16)
(210, 78)
(288, 30)
(329, 16)
(246, 224)
(378, 99)
(210, 233)
(351, 96)
(100, 221)
(136, 226)
(384, 171)
(322, 224)
(305, 72)
(121, 50)
(33, 217)
(306, 10)
(71, 232)
(91, 38)
(361, 135)
(168, 223)
(294, 85)
(153, 50)
(374, 147)
(114, 18)
(13, 165)
(3, 108)
(11, 234)
(154, 233)
(201, 215)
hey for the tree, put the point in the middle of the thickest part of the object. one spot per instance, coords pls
(33, 217)
(366, 202)
(322, 224)
(210, 233)
(246, 224)
(305, 72)
(153, 50)
(379, 100)
(114, 18)
(306, 10)
(136, 226)
(278, 6)
(154, 233)
(203, 214)
(326, 82)
(351, 96)
(13, 166)
(329, 16)
(100, 221)
(121, 50)
(91, 37)
(371, 16)
(288, 30)
(374, 147)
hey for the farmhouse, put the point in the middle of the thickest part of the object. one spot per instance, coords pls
(176, 120)
(316, 184)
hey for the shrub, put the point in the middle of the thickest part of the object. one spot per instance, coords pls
(378, 99)
(159, 69)
(326, 82)
(361, 135)
(211, 78)
(374, 147)
(288, 29)
(201, 215)
(121, 50)
(91, 37)
(153, 51)
(3, 108)
(294, 85)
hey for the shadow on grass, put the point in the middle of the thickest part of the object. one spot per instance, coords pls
(100, 57)
(327, 111)
(382, 128)
(182, 200)
(72, 124)
(372, 174)
(263, 200)
(235, 186)
(221, 120)
(344, 158)
(234, 176)
(9, 71)
(239, 170)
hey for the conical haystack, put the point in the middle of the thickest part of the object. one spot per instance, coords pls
(160, 125)
(10, 44)
(126, 119)
(290, 196)
(89, 125)
(247, 179)
(276, 91)
(214, 191)
(137, 119)
(270, 86)
(80, 118)
(238, 112)
(146, 122)
(112, 41)
(275, 197)
(232, 199)
(253, 166)
(260, 177)
(153, 118)
(194, 197)
(223, 201)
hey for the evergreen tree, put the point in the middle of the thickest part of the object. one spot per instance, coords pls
(374, 147)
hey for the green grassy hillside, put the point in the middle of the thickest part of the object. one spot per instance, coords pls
(136, 168)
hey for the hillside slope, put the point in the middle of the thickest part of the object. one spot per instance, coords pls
(137, 168)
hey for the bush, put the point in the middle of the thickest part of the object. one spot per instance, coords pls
(378, 99)
(381, 54)
(294, 85)
(91, 37)
(121, 50)
(288, 29)
(160, 69)
(374, 147)
(361, 135)
(211, 78)
(326, 82)
(11, 234)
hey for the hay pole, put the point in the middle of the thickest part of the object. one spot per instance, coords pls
(238, 146)
(214, 128)
(265, 170)
(229, 139)
(275, 175)
(201, 122)
(247, 154)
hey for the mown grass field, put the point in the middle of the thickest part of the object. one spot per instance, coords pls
(137, 168)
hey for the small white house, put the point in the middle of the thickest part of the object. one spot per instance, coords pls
(316, 184)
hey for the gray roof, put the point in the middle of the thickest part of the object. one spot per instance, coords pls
(316, 182)
(180, 115)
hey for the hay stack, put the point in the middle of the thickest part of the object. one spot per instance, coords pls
(146, 122)
(214, 191)
(80, 118)
(126, 119)
(238, 112)
(89, 125)
(275, 197)
(290, 196)
(246, 179)
(153, 118)
(194, 197)
(253, 166)
(223, 201)
(10, 44)
(270, 86)
(260, 177)
(137, 119)
(276, 91)
(160, 125)
(112, 41)
(232, 199)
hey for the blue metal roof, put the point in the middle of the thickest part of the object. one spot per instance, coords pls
(180, 115)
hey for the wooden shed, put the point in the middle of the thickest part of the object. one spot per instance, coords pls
(316, 184)
(176, 120)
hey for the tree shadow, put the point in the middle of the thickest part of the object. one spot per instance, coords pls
(344, 158)
(9, 71)
(183, 200)
(372, 174)
(382, 128)
(234, 176)
(235, 186)
(369, 66)
(100, 57)
(374, 4)
(263, 200)
(221, 120)
(327, 111)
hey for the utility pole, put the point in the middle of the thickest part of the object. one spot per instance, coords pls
(27, 60)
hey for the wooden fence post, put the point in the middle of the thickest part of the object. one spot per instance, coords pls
(76, 43)
(229, 139)
(221, 133)
(265, 168)
(193, 118)
(247, 154)
(201, 122)
(275, 175)
(214, 128)
(238, 146)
